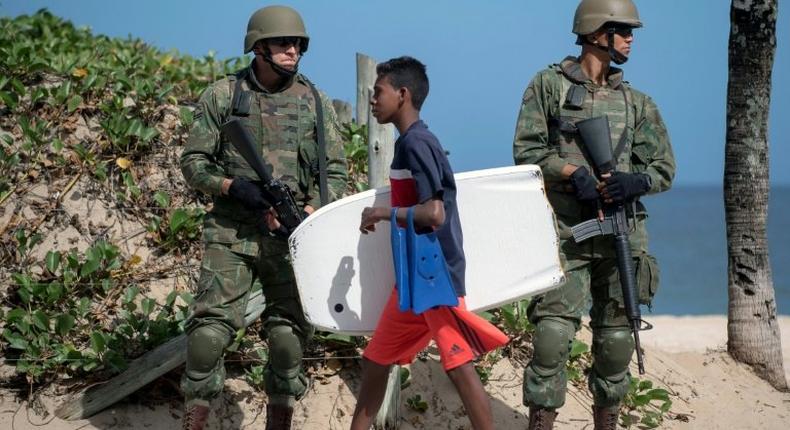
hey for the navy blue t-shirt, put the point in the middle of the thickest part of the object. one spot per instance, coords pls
(419, 172)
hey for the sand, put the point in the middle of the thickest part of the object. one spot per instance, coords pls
(685, 355)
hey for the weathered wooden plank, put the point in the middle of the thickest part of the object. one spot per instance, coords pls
(389, 415)
(142, 371)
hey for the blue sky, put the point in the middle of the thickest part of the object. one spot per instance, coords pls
(480, 57)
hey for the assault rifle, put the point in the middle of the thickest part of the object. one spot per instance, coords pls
(598, 142)
(275, 192)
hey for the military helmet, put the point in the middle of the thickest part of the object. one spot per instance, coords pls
(275, 21)
(593, 14)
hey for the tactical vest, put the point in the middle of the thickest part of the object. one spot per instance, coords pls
(579, 100)
(283, 125)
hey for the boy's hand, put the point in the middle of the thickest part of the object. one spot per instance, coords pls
(370, 216)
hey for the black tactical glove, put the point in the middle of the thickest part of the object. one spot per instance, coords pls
(621, 187)
(249, 194)
(584, 183)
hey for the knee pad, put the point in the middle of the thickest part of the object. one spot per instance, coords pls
(612, 349)
(205, 346)
(285, 351)
(552, 344)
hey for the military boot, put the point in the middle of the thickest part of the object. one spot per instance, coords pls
(605, 418)
(195, 416)
(541, 418)
(278, 417)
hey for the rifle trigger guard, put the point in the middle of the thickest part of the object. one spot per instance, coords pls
(644, 325)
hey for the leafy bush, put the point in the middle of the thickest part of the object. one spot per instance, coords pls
(56, 325)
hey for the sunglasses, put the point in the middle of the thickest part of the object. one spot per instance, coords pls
(284, 42)
(622, 31)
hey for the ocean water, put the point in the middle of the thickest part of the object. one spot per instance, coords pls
(688, 237)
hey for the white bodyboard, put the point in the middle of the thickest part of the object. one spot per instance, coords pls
(510, 242)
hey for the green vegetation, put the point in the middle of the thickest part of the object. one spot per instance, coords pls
(75, 105)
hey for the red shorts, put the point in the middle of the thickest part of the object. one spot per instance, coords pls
(460, 335)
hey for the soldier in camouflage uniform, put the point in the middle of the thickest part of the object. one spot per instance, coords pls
(279, 107)
(576, 89)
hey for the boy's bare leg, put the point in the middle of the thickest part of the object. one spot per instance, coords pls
(474, 396)
(374, 385)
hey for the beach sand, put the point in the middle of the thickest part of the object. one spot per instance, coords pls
(685, 355)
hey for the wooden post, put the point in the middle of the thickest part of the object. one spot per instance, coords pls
(141, 371)
(381, 148)
(366, 76)
(381, 137)
(343, 111)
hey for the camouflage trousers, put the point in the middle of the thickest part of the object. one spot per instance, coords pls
(557, 315)
(217, 314)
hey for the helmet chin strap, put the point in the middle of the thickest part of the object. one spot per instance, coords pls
(280, 70)
(616, 56)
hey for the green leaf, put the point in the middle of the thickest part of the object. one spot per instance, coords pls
(15, 340)
(41, 320)
(135, 128)
(658, 394)
(488, 316)
(171, 298)
(21, 238)
(23, 325)
(19, 87)
(63, 324)
(187, 297)
(74, 103)
(16, 314)
(98, 342)
(90, 266)
(148, 133)
(130, 294)
(578, 348)
(162, 199)
(641, 400)
(147, 305)
(90, 365)
(83, 307)
(10, 99)
(23, 280)
(52, 260)
(177, 220)
(54, 291)
(404, 377)
(187, 117)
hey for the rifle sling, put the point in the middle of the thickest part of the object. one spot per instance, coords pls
(623, 137)
(320, 136)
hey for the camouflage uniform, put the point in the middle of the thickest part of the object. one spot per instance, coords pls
(546, 136)
(239, 257)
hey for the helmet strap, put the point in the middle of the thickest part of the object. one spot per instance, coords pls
(614, 54)
(280, 70)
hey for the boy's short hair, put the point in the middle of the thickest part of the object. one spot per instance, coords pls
(406, 72)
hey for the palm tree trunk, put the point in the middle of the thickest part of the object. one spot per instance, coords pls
(752, 329)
